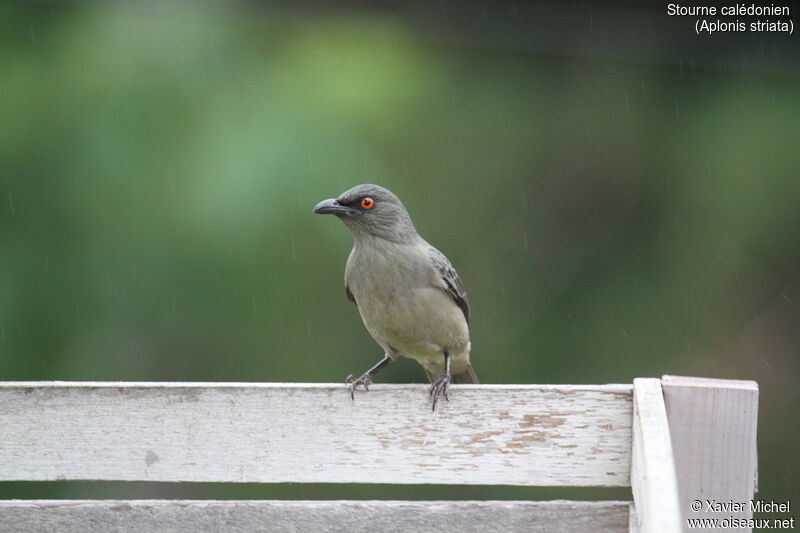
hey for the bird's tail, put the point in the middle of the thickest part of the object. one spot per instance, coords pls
(466, 377)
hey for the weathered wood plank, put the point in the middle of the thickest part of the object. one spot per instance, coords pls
(653, 481)
(486, 434)
(713, 428)
(153, 516)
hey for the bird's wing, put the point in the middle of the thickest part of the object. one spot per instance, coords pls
(451, 280)
(350, 295)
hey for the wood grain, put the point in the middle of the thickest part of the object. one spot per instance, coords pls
(713, 430)
(154, 516)
(578, 435)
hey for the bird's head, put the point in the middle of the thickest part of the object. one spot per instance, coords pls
(370, 210)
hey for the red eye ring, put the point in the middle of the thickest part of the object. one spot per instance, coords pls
(367, 202)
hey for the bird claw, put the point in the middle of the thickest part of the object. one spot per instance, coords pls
(353, 383)
(438, 388)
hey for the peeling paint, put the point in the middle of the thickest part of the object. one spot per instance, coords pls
(545, 421)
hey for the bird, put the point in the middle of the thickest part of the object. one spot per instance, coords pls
(410, 298)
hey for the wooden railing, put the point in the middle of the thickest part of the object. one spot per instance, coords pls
(672, 441)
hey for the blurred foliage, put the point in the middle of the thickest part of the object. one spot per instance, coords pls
(610, 220)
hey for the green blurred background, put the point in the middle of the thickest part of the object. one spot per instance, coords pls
(620, 201)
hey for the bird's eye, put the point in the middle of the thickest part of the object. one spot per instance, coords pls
(367, 202)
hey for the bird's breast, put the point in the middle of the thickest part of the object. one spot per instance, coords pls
(402, 305)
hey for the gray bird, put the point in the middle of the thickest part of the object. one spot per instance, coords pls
(410, 298)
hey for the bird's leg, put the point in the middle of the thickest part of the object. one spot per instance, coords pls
(440, 385)
(366, 377)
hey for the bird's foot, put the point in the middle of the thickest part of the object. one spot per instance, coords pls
(439, 388)
(353, 383)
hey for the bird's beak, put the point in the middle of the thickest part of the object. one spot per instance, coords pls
(331, 207)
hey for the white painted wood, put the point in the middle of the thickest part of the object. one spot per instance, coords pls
(633, 522)
(713, 429)
(653, 480)
(153, 516)
(542, 435)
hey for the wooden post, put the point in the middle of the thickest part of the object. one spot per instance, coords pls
(713, 428)
(653, 480)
